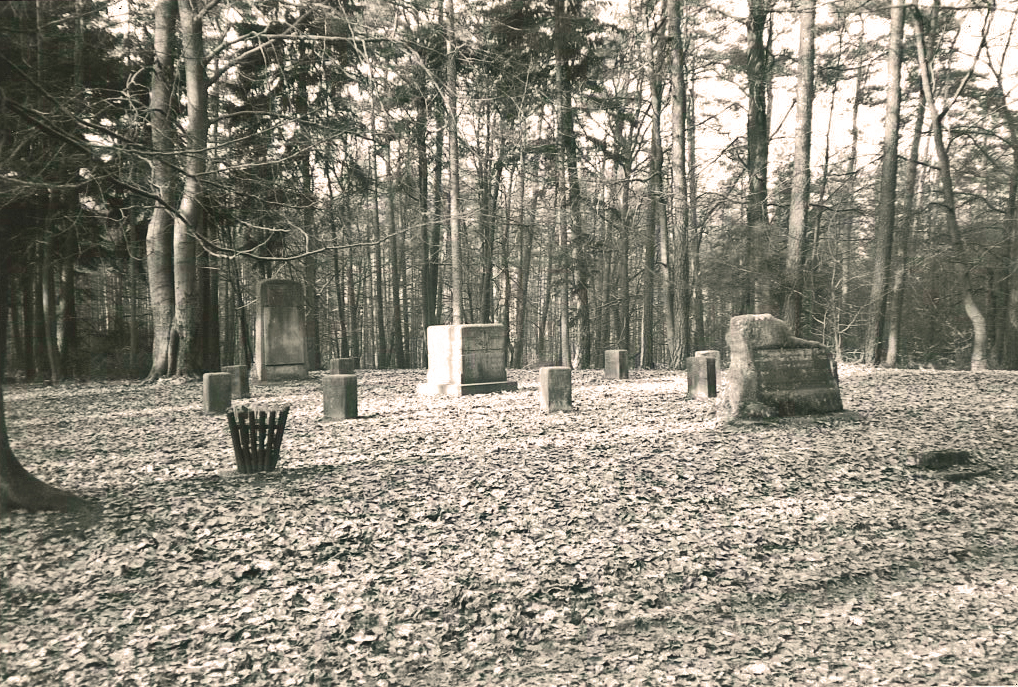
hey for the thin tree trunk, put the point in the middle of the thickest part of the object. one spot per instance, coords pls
(798, 215)
(452, 114)
(897, 295)
(758, 73)
(681, 344)
(877, 306)
(972, 310)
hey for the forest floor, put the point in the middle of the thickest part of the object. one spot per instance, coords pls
(477, 541)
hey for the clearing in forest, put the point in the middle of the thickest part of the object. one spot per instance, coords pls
(477, 541)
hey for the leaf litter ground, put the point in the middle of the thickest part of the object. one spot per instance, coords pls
(477, 541)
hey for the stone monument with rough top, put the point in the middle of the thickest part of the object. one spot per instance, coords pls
(775, 374)
(466, 359)
(280, 344)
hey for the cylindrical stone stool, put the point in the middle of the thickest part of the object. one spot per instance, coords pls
(215, 392)
(339, 396)
(556, 388)
(240, 376)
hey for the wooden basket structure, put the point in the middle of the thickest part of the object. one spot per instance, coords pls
(257, 433)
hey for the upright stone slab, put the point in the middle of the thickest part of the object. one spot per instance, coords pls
(773, 373)
(616, 364)
(701, 377)
(342, 366)
(280, 345)
(466, 359)
(215, 392)
(339, 396)
(240, 386)
(555, 385)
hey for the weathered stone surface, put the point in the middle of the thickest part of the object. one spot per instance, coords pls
(240, 386)
(466, 359)
(616, 364)
(215, 392)
(701, 377)
(342, 366)
(280, 346)
(339, 396)
(709, 354)
(556, 389)
(774, 374)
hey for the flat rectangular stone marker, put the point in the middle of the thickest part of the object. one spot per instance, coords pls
(215, 392)
(466, 359)
(616, 364)
(556, 389)
(240, 386)
(701, 377)
(339, 397)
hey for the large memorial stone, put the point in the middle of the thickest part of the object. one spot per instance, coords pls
(280, 345)
(466, 359)
(775, 374)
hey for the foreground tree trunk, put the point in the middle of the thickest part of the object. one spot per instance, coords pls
(19, 489)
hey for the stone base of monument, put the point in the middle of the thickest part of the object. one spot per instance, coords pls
(555, 385)
(465, 359)
(215, 392)
(701, 377)
(616, 364)
(339, 397)
(774, 374)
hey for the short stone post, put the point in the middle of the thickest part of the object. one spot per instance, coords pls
(339, 394)
(342, 366)
(215, 392)
(556, 386)
(616, 364)
(240, 386)
(710, 354)
(701, 377)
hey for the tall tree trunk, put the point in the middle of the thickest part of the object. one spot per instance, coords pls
(681, 346)
(398, 353)
(896, 301)
(190, 218)
(972, 309)
(525, 238)
(159, 240)
(49, 299)
(657, 221)
(797, 219)
(758, 74)
(452, 115)
(877, 306)
(578, 239)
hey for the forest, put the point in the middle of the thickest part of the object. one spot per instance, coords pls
(590, 174)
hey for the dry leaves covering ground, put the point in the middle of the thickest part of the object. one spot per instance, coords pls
(476, 541)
